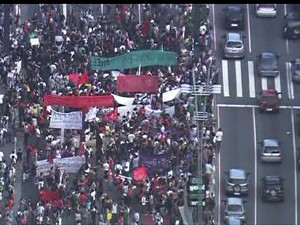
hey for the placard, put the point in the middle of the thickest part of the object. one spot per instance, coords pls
(72, 120)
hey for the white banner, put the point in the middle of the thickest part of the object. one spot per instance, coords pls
(124, 109)
(69, 164)
(123, 100)
(72, 120)
(34, 41)
(91, 114)
(149, 111)
(171, 95)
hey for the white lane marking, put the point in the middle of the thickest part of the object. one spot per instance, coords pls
(290, 84)
(225, 78)
(286, 40)
(295, 167)
(238, 74)
(254, 106)
(248, 22)
(214, 26)
(219, 176)
(264, 83)
(251, 79)
(278, 85)
(255, 166)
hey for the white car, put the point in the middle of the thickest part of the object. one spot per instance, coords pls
(266, 10)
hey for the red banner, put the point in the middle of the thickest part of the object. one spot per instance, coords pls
(140, 173)
(47, 195)
(74, 77)
(134, 83)
(111, 116)
(79, 101)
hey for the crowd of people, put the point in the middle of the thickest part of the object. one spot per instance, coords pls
(104, 190)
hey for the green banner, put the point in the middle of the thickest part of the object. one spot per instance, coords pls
(135, 59)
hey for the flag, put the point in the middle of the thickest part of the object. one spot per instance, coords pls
(139, 70)
(84, 78)
(111, 116)
(140, 173)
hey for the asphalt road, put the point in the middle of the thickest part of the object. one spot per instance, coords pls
(244, 126)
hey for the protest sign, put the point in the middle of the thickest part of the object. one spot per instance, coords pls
(43, 166)
(153, 162)
(135, 59)
(134, 83)
(123, 100)
(34, 41)
(168, 110)
(171, 95)
(91, 114)
(72, 120)
(123, 110)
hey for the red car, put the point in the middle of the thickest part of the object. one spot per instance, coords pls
(269, 100)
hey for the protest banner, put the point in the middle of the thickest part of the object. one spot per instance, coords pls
(123, 110)
(153, 162)
(168, 110)
(135, 84)
(79, 101)
(134, 60)
(72, 120)
(171, 95)
(123, 100)
(91, 114)
(34, 41)
(43, 166)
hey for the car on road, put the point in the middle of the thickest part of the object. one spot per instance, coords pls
(234, 207)
(234, 17)
(234, 45)
(295, 68)
(291, 28)
(270, 151)
(267, 64)
(269, 100)
(266, 10)
(236, 182)
(234, 221)
(272, 188)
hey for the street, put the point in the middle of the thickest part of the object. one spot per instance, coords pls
(244, 127)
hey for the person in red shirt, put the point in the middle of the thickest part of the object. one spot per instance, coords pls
(82, 198)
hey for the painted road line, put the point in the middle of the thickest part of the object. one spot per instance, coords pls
(248, 24)
(290, 84)
(214, 26)
(286, 40)
(225, 78)
(252, 93)
(295, 166)
(264, 83)
(277, 84)
(238, 74)
(255, 166)
(219, 176)
(254, 106)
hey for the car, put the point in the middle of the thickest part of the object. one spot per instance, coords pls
(268, 64)
(234, 207)
(236, 182)
(234, 45)
(272, 188)
(269, 100)
(295, 68)
(266, 10)
(270, 151)
(291, 28)
(234, 17)
(234, 221)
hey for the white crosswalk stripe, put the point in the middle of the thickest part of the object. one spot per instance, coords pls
(225, 78)
(290, 85)
(238, 74)
(252, 93)
(264, 83)
(277, 84)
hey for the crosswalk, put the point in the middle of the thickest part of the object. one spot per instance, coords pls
(240, 79)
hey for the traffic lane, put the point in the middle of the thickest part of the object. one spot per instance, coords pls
(278, 126)
(220, 30)
(237, 151)
(297, 142)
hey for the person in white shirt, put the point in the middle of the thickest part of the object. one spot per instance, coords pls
(1, 156)
(218, 139)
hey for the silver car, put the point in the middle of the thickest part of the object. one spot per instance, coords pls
(234, 45)
(234, 207)
(266, 10)
(296, 70)
(270, 151)
(236, 182)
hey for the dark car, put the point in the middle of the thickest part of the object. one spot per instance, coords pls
(269, 100)
(272, 188)
(236, 182)
(234, 17)
(295, 67)
(291, 28)
(268, 64)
